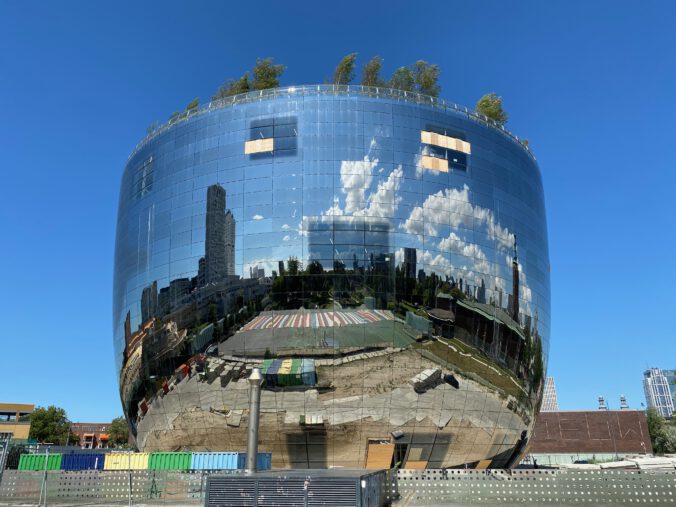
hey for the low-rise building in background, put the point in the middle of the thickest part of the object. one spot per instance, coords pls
(14, 420)
(566, 437)
(92, 435)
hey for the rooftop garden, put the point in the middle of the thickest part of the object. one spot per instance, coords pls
(420, 78)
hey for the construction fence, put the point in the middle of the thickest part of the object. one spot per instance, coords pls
(410, 488)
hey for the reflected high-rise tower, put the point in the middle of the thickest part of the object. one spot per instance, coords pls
(410, 262)
(219, 242)
(229, 243)
(149, 300)
(515, 285)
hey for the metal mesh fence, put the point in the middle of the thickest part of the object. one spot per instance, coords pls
(537, 487)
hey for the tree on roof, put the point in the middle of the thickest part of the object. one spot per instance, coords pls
(193, 104)
(344, 73)
(427, 77)
(234, 86)
(403, 79)
(370, 75)
(266, 74)
(490, 105)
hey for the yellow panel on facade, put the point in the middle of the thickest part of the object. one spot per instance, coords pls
(379, 456)
(443, 141)
(415, 465)
(259, 146)
(125, 461)
(435, 164)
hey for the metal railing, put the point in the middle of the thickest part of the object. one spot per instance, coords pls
(339, 90)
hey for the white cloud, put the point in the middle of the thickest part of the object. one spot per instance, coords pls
(286, 238)
(258, 217)
(286, 227)
(452, 207)
(355, 178)
(384, 201)
(334, 210)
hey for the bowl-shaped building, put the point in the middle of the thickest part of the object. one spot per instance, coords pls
(380, 255)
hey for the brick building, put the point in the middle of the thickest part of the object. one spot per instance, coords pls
(92, 435)
(567, 436)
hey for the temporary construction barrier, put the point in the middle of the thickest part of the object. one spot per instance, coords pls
(169, 461)
(37, 462)
(271, 373)
(308, 372)
(284, 373)
(289, 372)
(126, 461)
(82, 461)
(295, 378)
(214, 461)
(263, 461)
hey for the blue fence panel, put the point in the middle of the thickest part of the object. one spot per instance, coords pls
(271, 373)
(263, 461)
(214, 461)
(82, 461)
(308, 372)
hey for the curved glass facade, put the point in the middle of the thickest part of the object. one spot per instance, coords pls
(383, 258)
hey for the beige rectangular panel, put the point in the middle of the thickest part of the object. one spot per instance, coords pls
(435, 164)
(379, 456)
(415, 465)
(426, 137)
(445, 142)
(483, 464)
(259, 146)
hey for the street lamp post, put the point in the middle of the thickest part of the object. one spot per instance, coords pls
(255, 381)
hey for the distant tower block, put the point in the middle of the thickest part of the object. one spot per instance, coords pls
(602, 403)
(549, 400)
(656, 387)
(623, 403)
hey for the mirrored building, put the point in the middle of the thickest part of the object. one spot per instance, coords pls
(381, 256)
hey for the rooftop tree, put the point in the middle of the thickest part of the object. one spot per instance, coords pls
(193, 105)
(403, 79)
(370, 75)
(234, 86)
(266, 74)
(427, 77)
(490, 105)
(344, 72)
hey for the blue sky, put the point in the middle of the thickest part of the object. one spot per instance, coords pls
(590, 84)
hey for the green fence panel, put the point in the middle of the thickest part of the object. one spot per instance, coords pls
(169, 461)
(37, 462)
